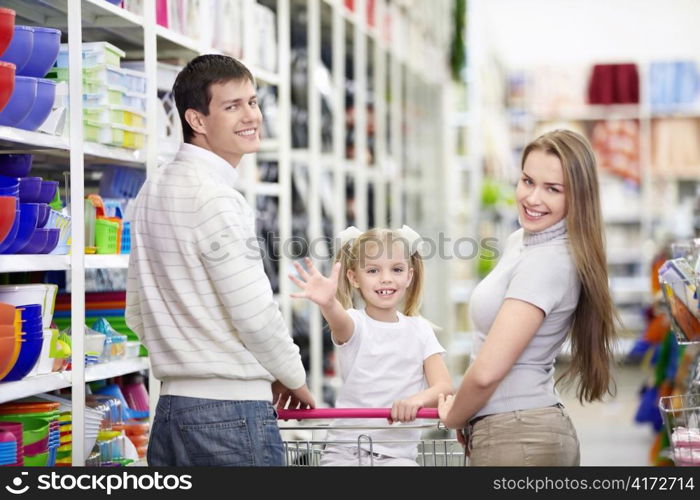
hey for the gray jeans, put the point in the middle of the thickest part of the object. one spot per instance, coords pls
(539, 437)
(210, 432)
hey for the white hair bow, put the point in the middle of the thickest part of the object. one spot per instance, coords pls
(348, 234)
(414, 240)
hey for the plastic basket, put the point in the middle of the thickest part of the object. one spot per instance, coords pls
(681, 414)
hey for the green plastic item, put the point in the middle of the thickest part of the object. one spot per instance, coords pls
(106, 236)
(38, 460)
(56, 203)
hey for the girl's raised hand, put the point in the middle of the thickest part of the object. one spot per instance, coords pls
(314, 285)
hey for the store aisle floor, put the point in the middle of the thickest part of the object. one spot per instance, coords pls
(607, 431)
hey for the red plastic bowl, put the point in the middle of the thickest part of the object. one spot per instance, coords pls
(7, 28)
(7, 83)
(8, 212)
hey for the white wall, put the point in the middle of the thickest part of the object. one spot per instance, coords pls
(530, 32)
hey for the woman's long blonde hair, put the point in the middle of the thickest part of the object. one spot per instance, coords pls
(593, 328)
(352, 255)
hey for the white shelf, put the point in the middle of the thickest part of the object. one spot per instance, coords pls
(103, 261)
(22, 263)
(115, 368)
(34, 385)
(269, 145)
(101, 153)
(23, 141)
(595, 113)
(264, 76)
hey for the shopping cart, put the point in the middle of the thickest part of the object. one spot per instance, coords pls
(681, 415)
(434, 451)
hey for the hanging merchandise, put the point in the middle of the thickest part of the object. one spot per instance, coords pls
(676, 147)
(458, 47)
(616, 143)
(614, 84)
(673, 84)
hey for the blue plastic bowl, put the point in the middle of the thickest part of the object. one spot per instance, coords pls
(51, 240)
(20, 49)
(47, 42)
(45, 95)
(29, 189)
(28, 215)
(21, 102)
(36, 242)
(30, 311)
(8, 184)
(28, 356)
(15, 165)
(44, 212)
(48, 191)
(12, 235)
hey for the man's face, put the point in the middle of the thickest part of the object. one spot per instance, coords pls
(232, 127)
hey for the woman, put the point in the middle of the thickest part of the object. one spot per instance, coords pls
(551, 280)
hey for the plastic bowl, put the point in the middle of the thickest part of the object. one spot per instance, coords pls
(48, 191)
(36, 243)
(29, 189)
(47, 42)
(21, 101)
(9, 184)
(7, 83)
(20, 49)
(7, 314)
(15, 165)
(28, 356)
(45, 95)
(44, 211)
(7, 28)
(28, 216)
(40, 293)
(30, 311)
(51, 240)
(8, 212)
(10, 238)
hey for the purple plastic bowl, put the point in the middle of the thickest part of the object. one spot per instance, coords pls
(52, 240)
(48, 191)
(15, 165)
(36, 242)
(45, 95)
(21, 102)
(29, 189)
(28, 215)
(12, 235)
(20, 49)
(47, 42)
(44, 212)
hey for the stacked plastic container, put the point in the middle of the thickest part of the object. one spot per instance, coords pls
(114, 99)
(38, 424)
(33, 231)
(26, 54)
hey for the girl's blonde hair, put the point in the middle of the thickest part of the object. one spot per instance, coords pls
(593, 328)
(352, 254)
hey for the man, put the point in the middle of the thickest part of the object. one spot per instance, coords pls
(197, 295)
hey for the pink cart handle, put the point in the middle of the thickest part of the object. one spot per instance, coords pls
(349, 413)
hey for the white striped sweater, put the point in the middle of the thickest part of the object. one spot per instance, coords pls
(197, 295)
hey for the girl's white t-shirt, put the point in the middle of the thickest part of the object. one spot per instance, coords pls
(382, 363)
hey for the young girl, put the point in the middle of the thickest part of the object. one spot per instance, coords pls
(389, 356)
(551, 282)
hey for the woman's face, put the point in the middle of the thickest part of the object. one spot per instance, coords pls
(540, 192)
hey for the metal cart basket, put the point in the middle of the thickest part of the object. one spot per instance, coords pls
(437, 451)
